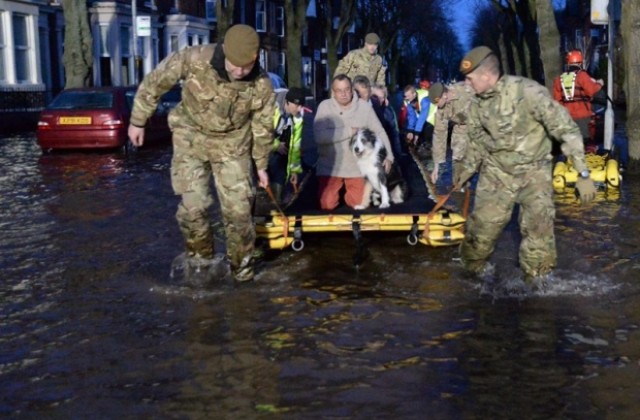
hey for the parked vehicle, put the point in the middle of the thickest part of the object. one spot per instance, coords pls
(98, 118)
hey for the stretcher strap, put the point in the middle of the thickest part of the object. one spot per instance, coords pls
(441, 200)
(466, 203)
(285, 219)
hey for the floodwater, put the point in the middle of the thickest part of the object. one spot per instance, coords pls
(92, 325)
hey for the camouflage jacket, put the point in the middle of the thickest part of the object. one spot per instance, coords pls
(511, 126)
(455, 111)
(360, 62)
(238, 113)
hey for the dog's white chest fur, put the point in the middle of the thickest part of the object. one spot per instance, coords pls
(367, 147)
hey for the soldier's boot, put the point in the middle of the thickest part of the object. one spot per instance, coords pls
(476, 267)
(538, 281)
(244, 272)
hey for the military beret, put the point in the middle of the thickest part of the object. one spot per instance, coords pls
(241, 45)
(472, 60)
(372, 38)
(435, 92)
(295, 95)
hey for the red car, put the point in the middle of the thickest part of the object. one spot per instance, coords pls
(98, 118)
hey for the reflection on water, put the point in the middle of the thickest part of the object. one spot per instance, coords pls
(93, 325)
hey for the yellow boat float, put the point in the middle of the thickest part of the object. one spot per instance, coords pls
(604, 172)
(443, 228)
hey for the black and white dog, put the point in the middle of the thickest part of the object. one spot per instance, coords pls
(381, 188)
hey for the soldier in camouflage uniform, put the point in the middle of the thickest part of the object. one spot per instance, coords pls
(511, 124)
(453, 106)
(364, 62)
(224, 120)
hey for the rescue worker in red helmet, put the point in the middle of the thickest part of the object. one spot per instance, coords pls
(575, 89)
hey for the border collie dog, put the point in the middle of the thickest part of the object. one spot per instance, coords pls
(380, 187)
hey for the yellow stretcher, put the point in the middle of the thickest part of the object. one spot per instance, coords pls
(604, 171)
(443, 228)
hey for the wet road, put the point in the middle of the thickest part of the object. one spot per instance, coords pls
(93, 326)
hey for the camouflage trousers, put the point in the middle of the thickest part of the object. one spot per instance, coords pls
(496, 195)
(192, 166)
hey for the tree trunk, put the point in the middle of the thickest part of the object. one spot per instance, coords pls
(224, 14)
(296, 15)
(78, 44)
(549, 41)
(630, 29)
(334, 36)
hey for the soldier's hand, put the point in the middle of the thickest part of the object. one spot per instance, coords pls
(136, 135)
(586, 190)
(410, 137)
(294, 179)
(283, 149)
(434, 173)
(387, 164)
(460, 179)
(263, 178)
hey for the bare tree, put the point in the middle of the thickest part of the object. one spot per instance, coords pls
(335, 26)
(78, 44)
(549, 40)
(224, 17)
(296, 16)
(630, 28)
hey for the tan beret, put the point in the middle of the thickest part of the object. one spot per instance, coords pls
(241, 45)
(372, 38)
(435, 92)
(472, 60)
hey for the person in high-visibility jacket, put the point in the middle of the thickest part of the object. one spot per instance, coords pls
(285, 161)
(420, 115)
(575, 89)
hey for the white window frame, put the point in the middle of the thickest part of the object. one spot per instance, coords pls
(31, 48)
(261, 16)
(4, 48)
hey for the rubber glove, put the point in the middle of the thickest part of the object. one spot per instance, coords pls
(586, 190)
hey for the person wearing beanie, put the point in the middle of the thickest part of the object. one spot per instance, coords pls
(222, 127)
(512, 122)
(364, 62)
(452, 106)
(285, 161)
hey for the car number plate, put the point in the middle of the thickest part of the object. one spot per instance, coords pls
(75, 120)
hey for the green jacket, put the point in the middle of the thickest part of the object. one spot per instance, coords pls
(236, 114)
(511, 127)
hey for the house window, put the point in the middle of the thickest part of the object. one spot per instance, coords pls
(279, 27)
(282, 62)
(21, 47)
(210, 7)
(261, 15)
(125, 49)
(105, 57)
(104, 41)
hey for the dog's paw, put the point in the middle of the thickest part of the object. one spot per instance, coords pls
(360, 207)
(384, 205)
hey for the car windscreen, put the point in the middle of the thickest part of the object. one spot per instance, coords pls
(82, 100)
